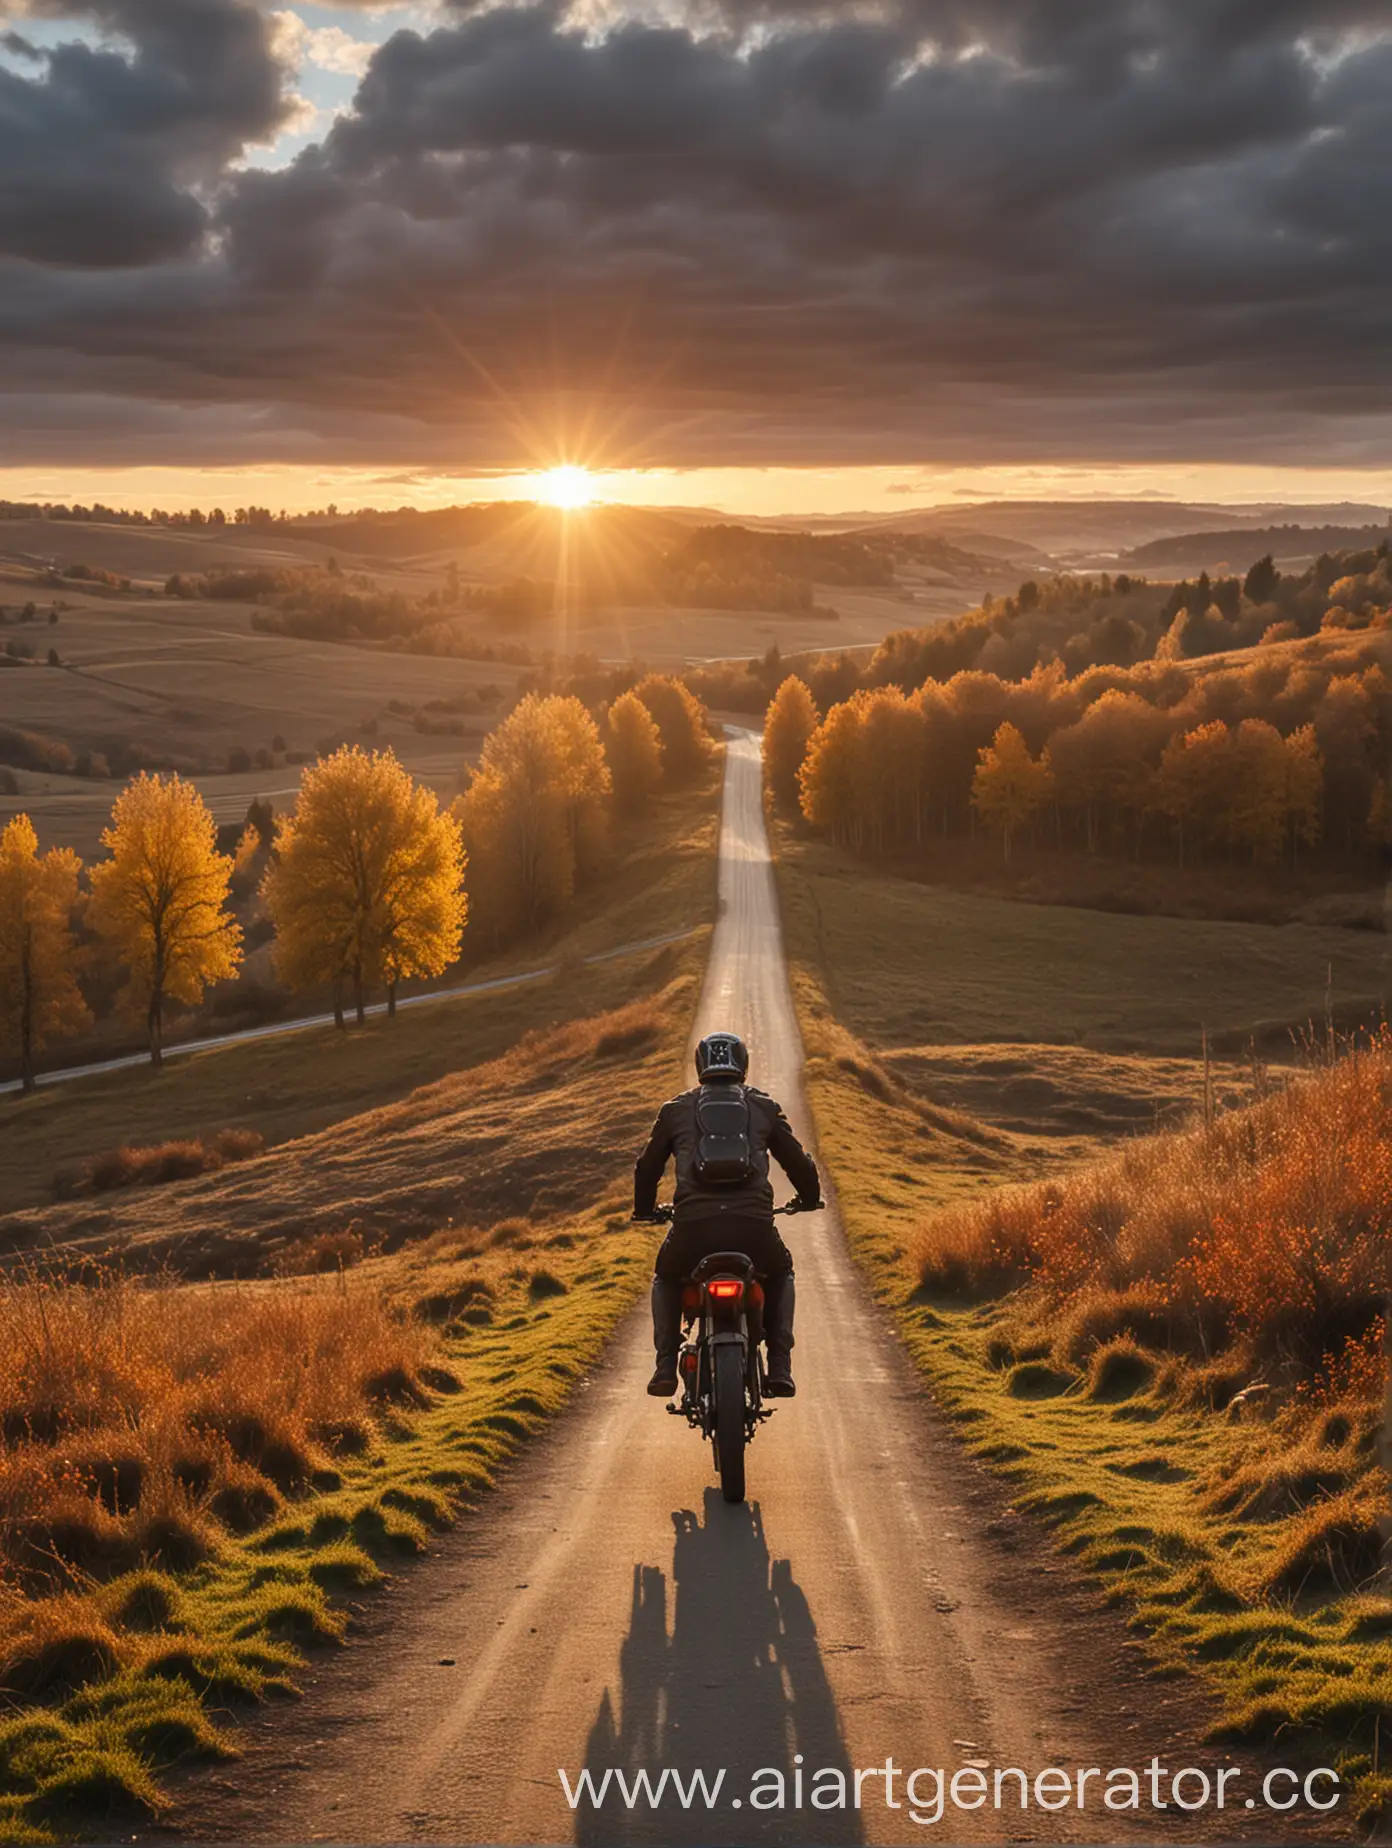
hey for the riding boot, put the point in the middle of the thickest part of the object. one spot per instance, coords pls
(780, 1299)
(666, 1315)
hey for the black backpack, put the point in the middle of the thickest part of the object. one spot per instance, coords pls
(724, 1140)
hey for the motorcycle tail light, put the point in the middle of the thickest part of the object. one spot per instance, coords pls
(688, 1361)
(726, 1287)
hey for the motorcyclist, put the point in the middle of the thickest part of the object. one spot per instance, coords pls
(723, 1202)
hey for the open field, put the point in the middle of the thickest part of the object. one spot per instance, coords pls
(284, 1088)
(190, 680)
(914, 964)
(959, 1046)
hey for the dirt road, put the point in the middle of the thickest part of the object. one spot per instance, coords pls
(875, 1599)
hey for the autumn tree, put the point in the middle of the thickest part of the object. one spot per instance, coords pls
(1258, 806)
(535, 803)
(1353, 749)
(1010, 786)
(1193, 783)
(160, 900)
(1304, 788)
(583, 778)
(827, 779)
(633, 747)
(681, 719)
(788, 727)
(39, 996)
(886, 768)
(366, 884)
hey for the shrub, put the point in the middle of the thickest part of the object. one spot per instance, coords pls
(165, 1161)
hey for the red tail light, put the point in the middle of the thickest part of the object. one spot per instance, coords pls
(726, 1287)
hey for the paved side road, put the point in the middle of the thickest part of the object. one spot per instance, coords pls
(277, 1027)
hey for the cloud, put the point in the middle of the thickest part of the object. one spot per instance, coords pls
(928, 230)
(105, 152)
(328, 47)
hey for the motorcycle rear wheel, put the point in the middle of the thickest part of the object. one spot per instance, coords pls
(729, 1421)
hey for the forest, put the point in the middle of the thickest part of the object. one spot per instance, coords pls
(1131, 739)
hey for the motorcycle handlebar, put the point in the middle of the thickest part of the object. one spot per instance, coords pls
(665, 1211)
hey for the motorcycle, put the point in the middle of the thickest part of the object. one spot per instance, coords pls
(721, 1362)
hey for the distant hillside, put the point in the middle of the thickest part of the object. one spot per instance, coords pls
(531, 528)
(1105, 529)
(1242, 547)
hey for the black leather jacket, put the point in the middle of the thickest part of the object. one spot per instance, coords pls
(674, 1134)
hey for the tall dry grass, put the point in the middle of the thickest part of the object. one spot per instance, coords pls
(1268, 1229)
(141, 1424)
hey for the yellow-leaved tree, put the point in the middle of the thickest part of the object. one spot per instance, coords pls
(1010, 785)
(533, 814)
(826, 781)
(366, 883)
(1194, 785)
(633, 746)
(788, 728)
(39, 996)
(1304, 788)
(681, 719)
(160, 900)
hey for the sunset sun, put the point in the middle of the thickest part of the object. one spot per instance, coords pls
(568, 487)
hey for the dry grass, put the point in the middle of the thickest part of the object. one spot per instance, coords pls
(165, 1161)
(144, 1422)
(526, 1134)
(1270, 1229)
(196, 1476)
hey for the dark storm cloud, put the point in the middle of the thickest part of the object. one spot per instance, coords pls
(927, 230)
(100, 152)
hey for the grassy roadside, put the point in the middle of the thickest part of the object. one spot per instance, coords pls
(133, 1673)
(1240, 1535)
(174, 1543)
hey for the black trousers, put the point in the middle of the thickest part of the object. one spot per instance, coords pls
(682, 1250)
(757, 1237)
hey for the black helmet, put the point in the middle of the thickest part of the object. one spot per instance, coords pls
(721, 1055)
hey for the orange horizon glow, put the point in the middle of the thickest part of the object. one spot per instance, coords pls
(730, 491)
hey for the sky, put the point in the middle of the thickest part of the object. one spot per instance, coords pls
(766, 255)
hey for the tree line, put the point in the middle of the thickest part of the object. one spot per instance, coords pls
(1120, 621)
(363, 882)
(1257, 762)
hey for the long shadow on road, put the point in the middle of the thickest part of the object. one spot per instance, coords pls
(738, 1685)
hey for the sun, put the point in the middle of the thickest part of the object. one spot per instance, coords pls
(568, 486)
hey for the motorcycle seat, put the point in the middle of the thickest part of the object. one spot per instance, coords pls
(719, 1261)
